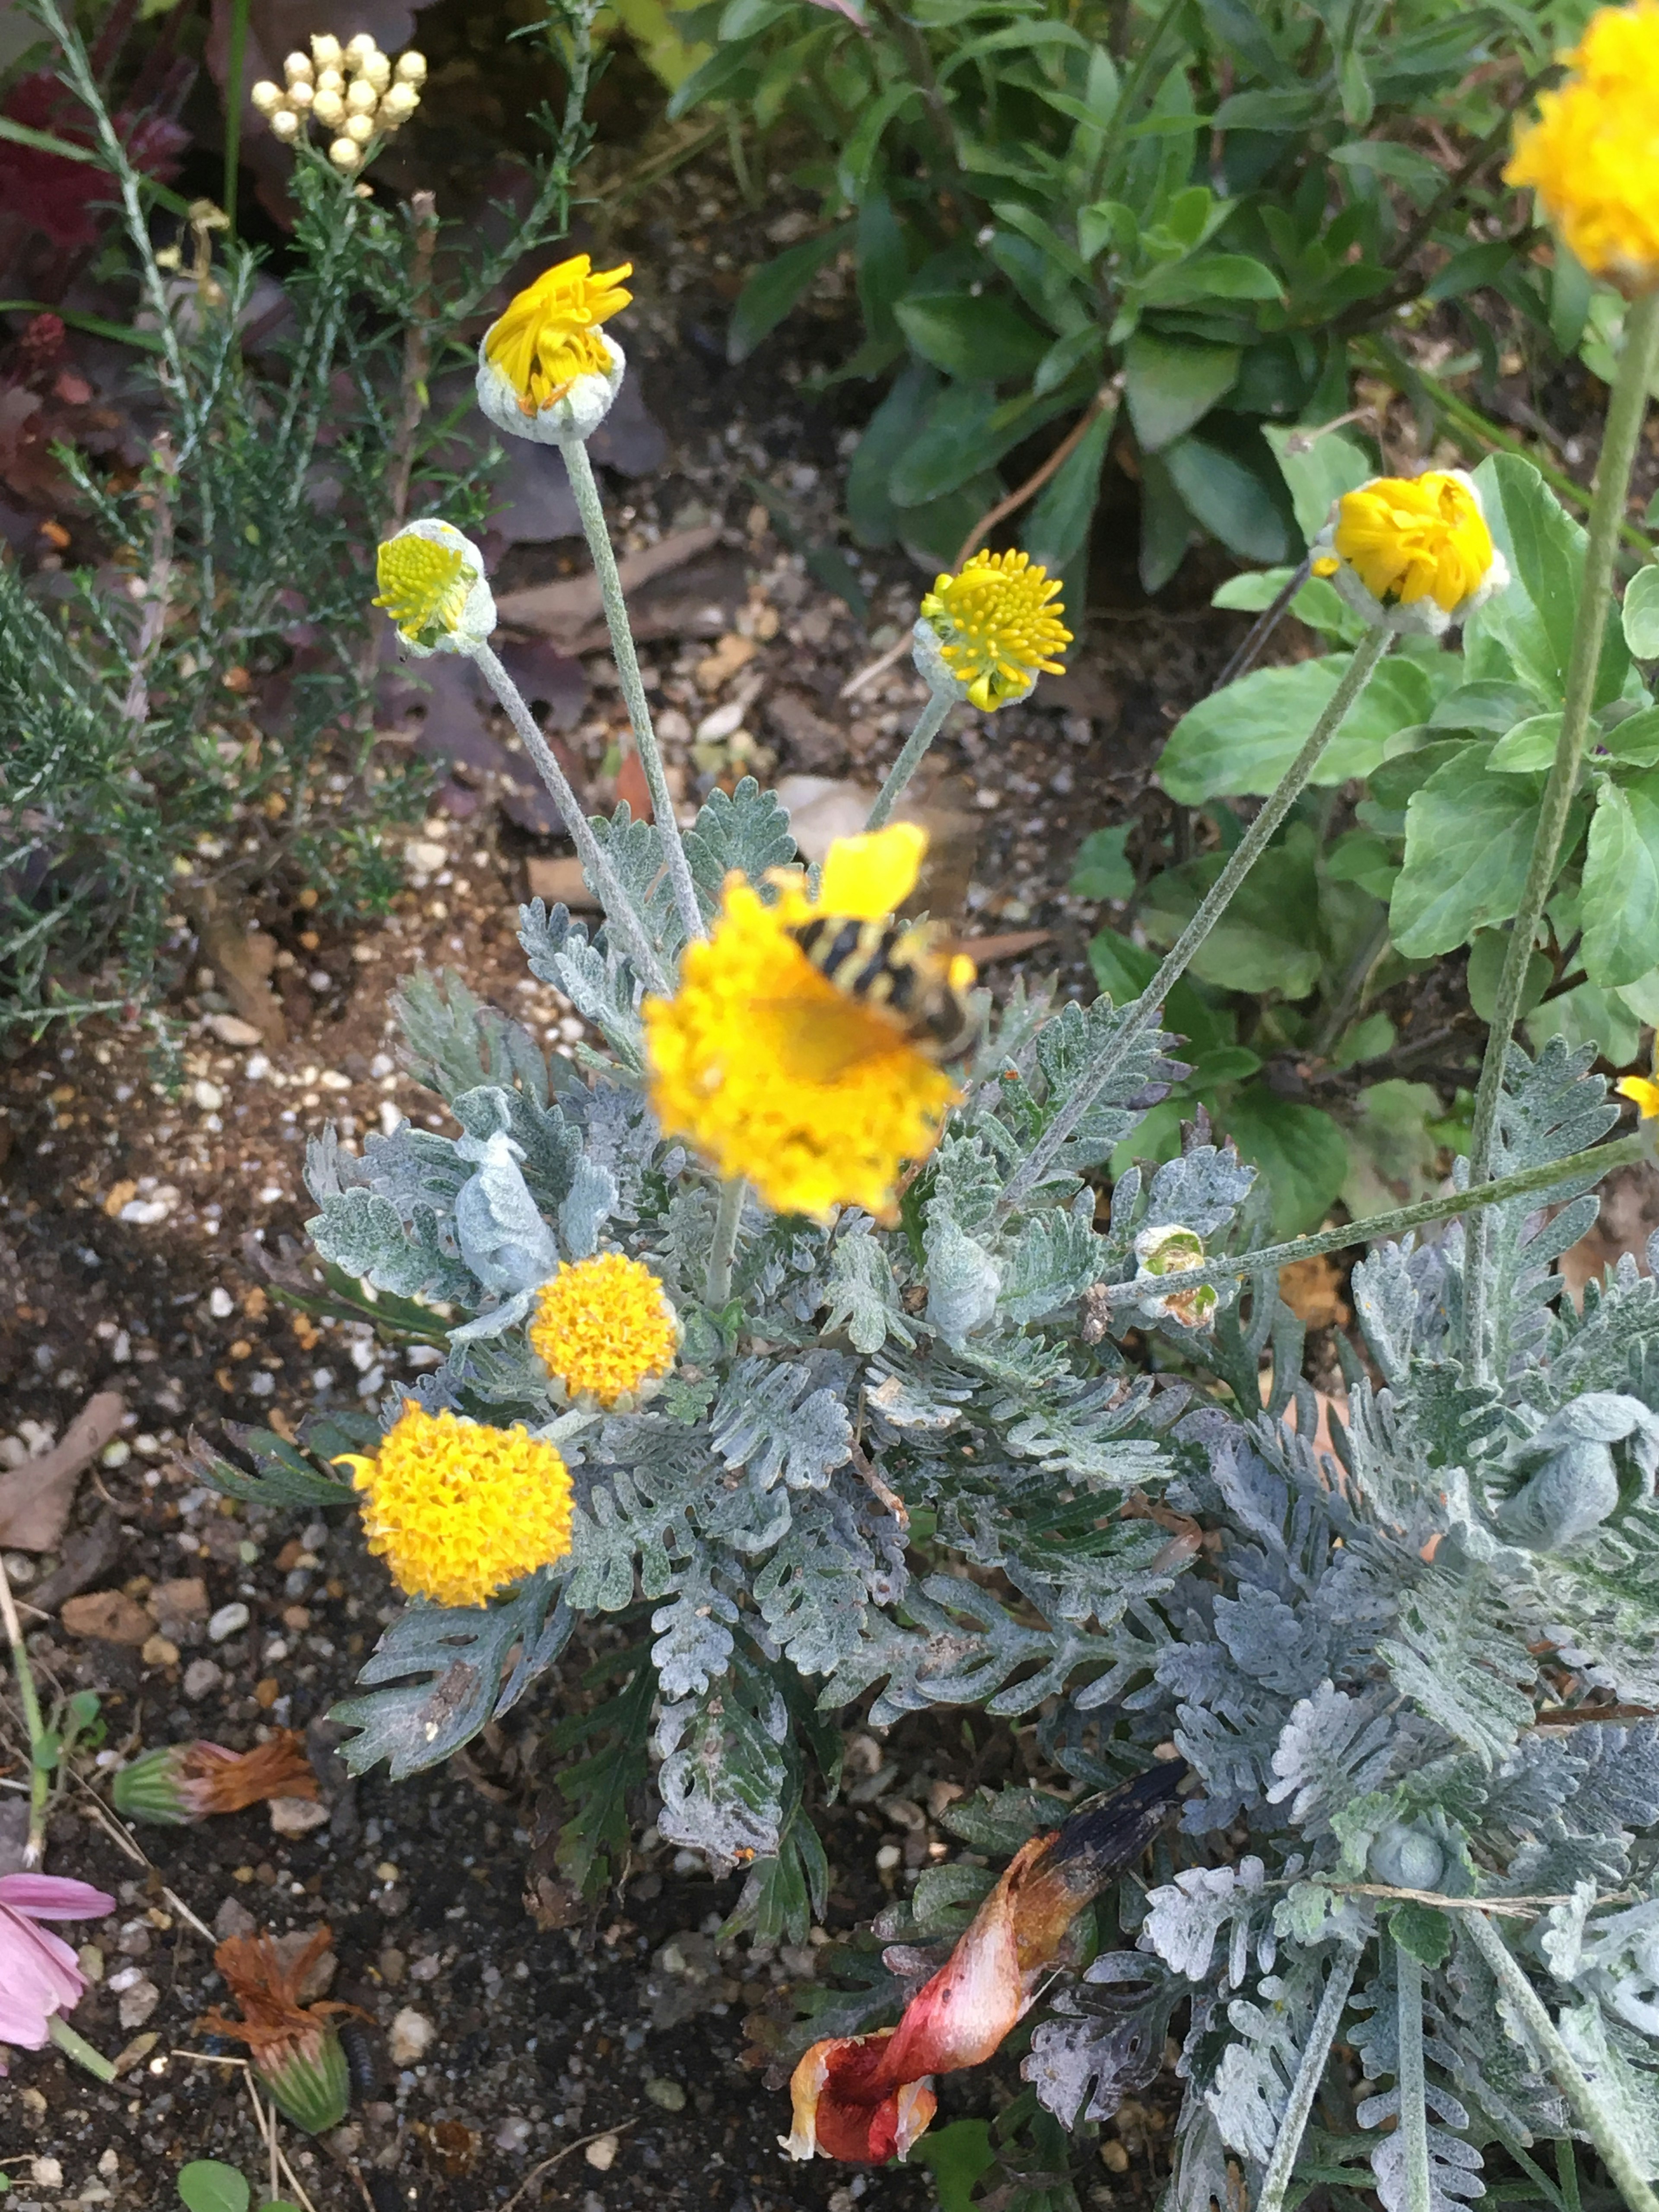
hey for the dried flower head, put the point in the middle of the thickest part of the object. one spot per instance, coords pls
(546, 370)
(1593, 155)
(432, 584)
(182, 1783)
(293, 2047)
(1412, 553)
(458, 1511)
(993, 629)
(772, 1071)
(606, 1332)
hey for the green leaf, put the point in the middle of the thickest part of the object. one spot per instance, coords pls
(1210, 277)
(1243, 739)
(1488, 949)
(955, 2157)
(1528, 749)
(1172, 383)
(1588, 1015)
(1467, 270)
(1234, 501)
(1059, 526)
(1166, 528)
(886, 439)
(1360, 856)
(1068, 355)
(1469, 839)
(1392, 1153)
(1101, 870)
(1633, 741)
(977, 340)
(1384, 157)
(1318, 467)
(1301, 1152)
(207, 2186)
(1620, 897)
(775, 287)
(1640, 613)
(1264, 942)
(948, 447)
(1545, 549)
(1317, 603)
(1423, 1931)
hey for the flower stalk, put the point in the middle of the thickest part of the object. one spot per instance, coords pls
(929, 723)
(717, 1285)
(1360, 669)
(1413, 2110)
(1626, 412)
(28, 1697)
(1310, 2074)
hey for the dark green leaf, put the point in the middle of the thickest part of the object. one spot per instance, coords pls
(1166, 528)
(1423, 1932)
(947, 448)
(1059, 526)
(1487, 950)
(1211, 276)
(1233, 500)
(1101, 870)
(1468, 269)
(1620, 897)
(870, 508)
(775, 287)
(1300, 1150)
(1318, 468)
(1172, 383)
(884, 266)
(1469, 839)
(1384, 157)
(976, 340)
(955, 2157)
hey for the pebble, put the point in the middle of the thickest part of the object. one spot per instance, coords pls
(229, 1620)
(888, 1857)
(221, 1304)
(201, 1676)
(45, 2173)
(412, 2037)
(393, 1966)
(139, 2002)
(208, 1095)
(1113, 2156)
(668, 2095)
(233, 1918)
(296, 1816)
(601, 2153)
(160, 1651)
(426, 858)
(232, 1030)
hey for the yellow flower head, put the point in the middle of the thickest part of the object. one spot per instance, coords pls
(605, 1331)
(1593, 155)
(1412, 553)
(1643, 1094)
(772, 1071)
(550, 334)
(998, 627)
(457, 1510)
(432, 584)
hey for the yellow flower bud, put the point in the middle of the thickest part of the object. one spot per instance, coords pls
(297, 68)
(400, 102)
(411, 67)
(266, 96)
(331, 79)
(285, 125)
(376, 71)
(359, 49)
(345, 154)
(360, 129)
(329, 109)
(361, 99)
(300, 96)
(325, 49)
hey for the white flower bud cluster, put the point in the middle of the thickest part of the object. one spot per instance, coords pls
(353, 91)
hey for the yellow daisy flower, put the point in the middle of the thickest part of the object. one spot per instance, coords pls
(457, 1510)
(995, 627)
(1412, 553)
(1593, 155)
(772, 1072)
(605, 1330)
(545, 368)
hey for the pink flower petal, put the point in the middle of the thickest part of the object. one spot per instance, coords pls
(53, 1897)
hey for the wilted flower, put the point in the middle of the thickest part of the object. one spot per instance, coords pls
(772, 1070)
(605, 1330)
(432, 584)
(546, 370)
(293, 2049)
(1170, 1250)
(1593, 155)
(457, 1509)
(181, 1783)
(868, 2096)
(40, 1975)
(992, 630)
(1412, 553)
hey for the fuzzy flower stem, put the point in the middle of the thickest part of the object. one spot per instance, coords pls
(929, 723)
(1625, 412)
(1250, 847)
(591, 508)
(77, 2048)
(1598, 2124)
(1413, 2111)
(717, 1285)
(596, 862)
(35, 1848)
(1308, 2074)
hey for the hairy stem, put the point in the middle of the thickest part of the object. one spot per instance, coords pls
(417, 360)
(619, 908)
(1216, 900)
(929, 723)
(717, 1285)
(1597, 2123)
(594, 529)
(1413, 2112)
(34, 1849)
(1294, 2125)
(1625, 411)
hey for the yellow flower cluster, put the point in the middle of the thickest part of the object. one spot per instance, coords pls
(1593, 155)
(457, 1510)
(550, 334)
(1408, 538)
(771, 1072)
(354, 91)
(604, 1329)
(999, 626)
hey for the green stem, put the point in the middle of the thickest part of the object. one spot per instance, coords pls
(717, 1284)
(1566, 2166)
(77, 2048)
(1599, 1160)
(235, 66)
(590, 506)
(596, 866)
(1413, 2111)
(1216, 900)
(929, 723)
(1625, 412)
(1309, 2074)
(35, 1849)
(1597, 2123)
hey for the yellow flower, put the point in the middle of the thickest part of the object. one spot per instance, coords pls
(545, 364)
(1645, 1095)
(997, 627)
(1593, 155)
(432, 584)
(1412, 553)
(604, 1329)
(772, 1072)
(457, 1510)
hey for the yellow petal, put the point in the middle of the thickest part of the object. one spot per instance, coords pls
(868, 877)
(1643, 1095)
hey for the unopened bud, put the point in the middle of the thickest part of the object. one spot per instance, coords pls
(360, 129)
(411, 67)
(266, 96)
(376, 71)
(329, 109)
(400, 103)
(325, 50)
(360, 48)
(308, 2079)
(345, 154)
(285, 125)
(300, 96)
(362, 99)
(297, 67)
(331, 80)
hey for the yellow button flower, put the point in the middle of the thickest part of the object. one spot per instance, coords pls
(546, 370)
(1412, 553)
(457, 1510)
(1593, 155)
(1643, 1095)
(772, 1071)
(993, 629)
(605, 1331)
(432, 584)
